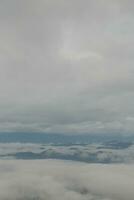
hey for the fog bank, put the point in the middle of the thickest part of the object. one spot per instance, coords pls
(59, 180)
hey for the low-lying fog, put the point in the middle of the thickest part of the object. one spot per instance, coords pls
(65, 180)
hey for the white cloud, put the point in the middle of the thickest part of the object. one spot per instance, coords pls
(58, 180)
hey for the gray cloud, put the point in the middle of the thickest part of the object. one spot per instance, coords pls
(66, 66)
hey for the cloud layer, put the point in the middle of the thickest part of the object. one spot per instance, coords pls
(93, 153)
(67, 66)
(56, 180)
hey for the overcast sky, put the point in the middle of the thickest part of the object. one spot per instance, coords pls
(67, 66)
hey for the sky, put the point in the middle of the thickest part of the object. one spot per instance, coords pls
(67, 66)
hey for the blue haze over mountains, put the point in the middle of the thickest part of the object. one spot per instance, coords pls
(61, 138)
(104, 148)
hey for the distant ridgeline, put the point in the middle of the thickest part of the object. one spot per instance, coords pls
(62, 139)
